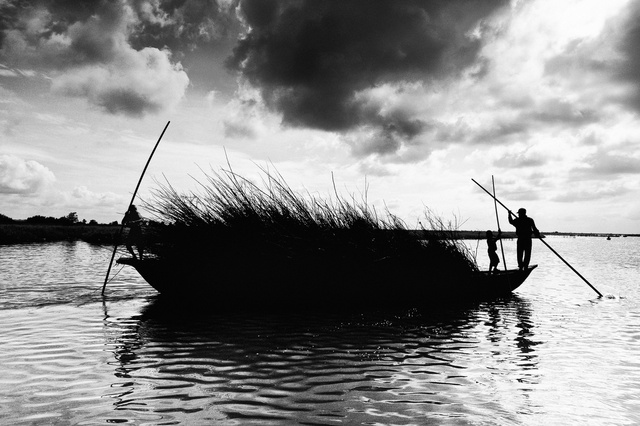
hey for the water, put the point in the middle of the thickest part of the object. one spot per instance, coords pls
(551, 354)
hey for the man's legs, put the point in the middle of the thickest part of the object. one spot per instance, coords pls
(130, 249)
(527, 254)
(520, 251)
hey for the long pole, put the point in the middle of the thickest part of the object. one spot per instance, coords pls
(495, 205)
(543, 241)
(133, 197)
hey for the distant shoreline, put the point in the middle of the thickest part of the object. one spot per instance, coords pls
(479, 235)
(108, 234)
(18, 233)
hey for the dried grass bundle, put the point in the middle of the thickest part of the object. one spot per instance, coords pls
(275, 232)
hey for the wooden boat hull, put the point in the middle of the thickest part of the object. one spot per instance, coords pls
(500, 282)
(333, 288)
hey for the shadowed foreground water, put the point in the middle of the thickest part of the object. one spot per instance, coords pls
(550, 354)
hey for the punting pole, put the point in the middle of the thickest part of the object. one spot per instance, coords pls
(133, 197)
(543, 241)
(495, 204)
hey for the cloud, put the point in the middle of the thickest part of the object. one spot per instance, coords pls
(86, 51)
(499, 130)
(633, 211)
(18, 176)
(562, 111)
(32, 187)
(629, 69)
(368, 168)
(82, 196)
(238, 130)
(520, 160)
(138, 82)
(6, 72)
(597, 193)
(606, 68)
(184, 23)
(603, 163)
(520, 193)
(315, 62)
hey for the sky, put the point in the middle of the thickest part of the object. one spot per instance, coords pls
(399, 103)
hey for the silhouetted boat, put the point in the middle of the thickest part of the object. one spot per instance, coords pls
(248, 287)
(486, 283)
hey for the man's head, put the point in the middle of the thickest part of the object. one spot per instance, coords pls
(522, 212)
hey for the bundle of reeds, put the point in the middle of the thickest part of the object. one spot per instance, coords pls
(270, 230)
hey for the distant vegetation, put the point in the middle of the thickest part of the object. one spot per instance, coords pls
(70, 219)
(38, 229)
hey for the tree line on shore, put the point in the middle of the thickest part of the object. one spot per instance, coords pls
(38, 229)
(69, 219)
(46, 228)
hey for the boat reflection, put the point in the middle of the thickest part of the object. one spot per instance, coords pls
(308, 366)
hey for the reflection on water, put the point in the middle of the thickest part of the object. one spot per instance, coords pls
(551, 354)
(64, 272)
(318, 368)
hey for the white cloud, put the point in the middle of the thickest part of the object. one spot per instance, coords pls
(18, 176)
(82, 196)
(577, 193)
(136, 83)
(4, 72)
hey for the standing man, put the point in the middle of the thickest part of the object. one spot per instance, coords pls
(525, 228)
(133, 220)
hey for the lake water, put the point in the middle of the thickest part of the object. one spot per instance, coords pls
(552, 354)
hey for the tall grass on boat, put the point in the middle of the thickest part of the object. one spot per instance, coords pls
(268, 230)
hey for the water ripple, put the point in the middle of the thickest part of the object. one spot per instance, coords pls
(547, 356)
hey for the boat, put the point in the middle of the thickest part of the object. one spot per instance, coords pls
(499, 283)
(303, 288)
(239, 245)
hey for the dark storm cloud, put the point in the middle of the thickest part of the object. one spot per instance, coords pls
(92, 25)
(309, 58)
(385, 135)
(116, 54)
(184, 24)
(630, 47)
(59, 34)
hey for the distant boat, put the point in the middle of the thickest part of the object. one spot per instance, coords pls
(249, 287)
